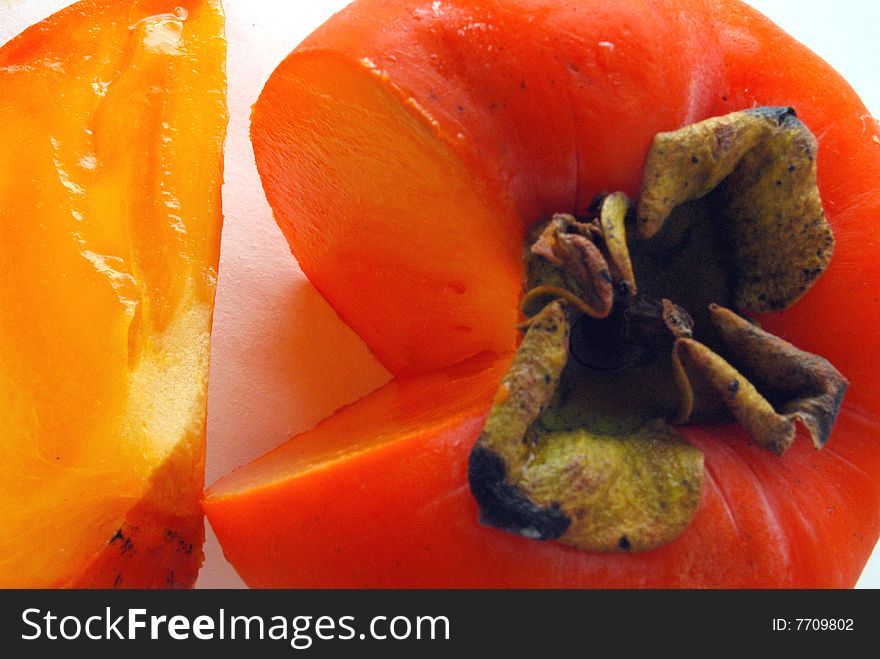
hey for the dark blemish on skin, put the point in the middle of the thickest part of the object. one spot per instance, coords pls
(695, 160)
(547, 378)
(170, 579)
(127, 545)
(624, 543)
(460, 108)
(117, 581)
(522, 84)
(506, 507)
(733, 387)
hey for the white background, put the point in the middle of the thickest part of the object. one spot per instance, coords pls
(267, 312)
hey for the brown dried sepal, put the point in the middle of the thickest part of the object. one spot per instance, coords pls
(760, 164)
(769, 386)
(501, 454)
(612, 221)
(565, 262)
(580, 262)
(632, 492)
(576, 446)
(635, 491)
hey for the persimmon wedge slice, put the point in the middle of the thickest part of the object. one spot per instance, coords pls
(113, 118)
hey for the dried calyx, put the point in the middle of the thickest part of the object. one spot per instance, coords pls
(630, 330)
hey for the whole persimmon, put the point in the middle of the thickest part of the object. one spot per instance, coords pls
(650, 195)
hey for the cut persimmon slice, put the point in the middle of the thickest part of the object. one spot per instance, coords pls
(114, 117)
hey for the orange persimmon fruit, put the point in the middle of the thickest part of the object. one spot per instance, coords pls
(405, 148)
(114, 117)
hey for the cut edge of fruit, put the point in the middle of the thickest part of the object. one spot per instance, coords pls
(168, 385)
(467, 384)
(159, 543)
(321, 121)
(156, 540)
(163, 392)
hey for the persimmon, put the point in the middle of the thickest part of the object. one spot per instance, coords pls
(409, 149)
(114, 118)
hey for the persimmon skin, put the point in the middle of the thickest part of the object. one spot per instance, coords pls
(394, 510)
(529, 125)
(542, 105)
(546, 104)
(152, 549)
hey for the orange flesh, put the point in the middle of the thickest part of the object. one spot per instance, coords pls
(411, 424)
(110, 170)
(339, 123)
(404, 163)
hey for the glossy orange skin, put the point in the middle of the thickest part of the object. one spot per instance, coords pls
(396, 511)
(114, 117)
(544, 104)
(155, 547)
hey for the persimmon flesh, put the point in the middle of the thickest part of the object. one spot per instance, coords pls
(114, 117)
(415, 178)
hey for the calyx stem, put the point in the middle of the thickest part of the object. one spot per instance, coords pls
(628, 331)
